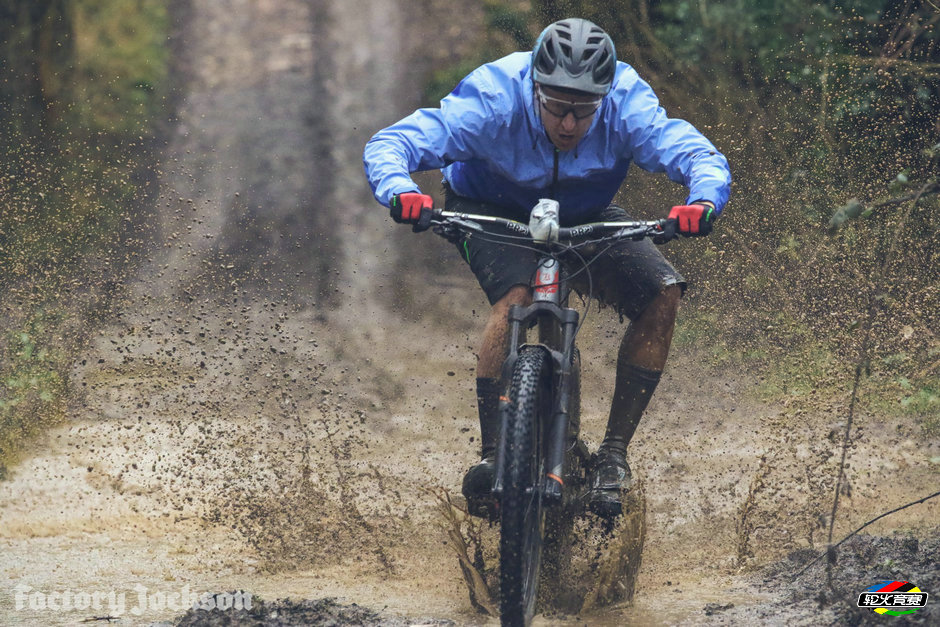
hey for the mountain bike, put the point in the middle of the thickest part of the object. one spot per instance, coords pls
(540, 461)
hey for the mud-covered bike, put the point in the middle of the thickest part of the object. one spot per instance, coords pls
(541, 463)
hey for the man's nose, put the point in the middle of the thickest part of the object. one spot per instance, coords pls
(569, 122)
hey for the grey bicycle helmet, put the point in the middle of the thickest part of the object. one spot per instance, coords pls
(575, 54)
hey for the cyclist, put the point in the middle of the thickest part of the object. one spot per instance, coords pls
(562, 122)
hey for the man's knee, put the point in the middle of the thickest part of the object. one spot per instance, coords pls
(662, 309)
(669, 298)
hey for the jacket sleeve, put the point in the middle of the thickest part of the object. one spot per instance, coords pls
(673, 146)
(468, 120)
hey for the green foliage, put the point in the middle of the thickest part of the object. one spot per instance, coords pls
(509, 21)
(895, 388)
(443, 81)
(82, 92)
(924, 401)
(508, 30)
(32, 391)
(66, 187)
(121, 65)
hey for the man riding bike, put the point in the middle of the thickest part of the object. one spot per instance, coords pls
(562, 122)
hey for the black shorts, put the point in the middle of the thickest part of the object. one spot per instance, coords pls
(626, 276)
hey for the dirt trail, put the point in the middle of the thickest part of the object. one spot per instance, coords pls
(247, 422)
(258, 473)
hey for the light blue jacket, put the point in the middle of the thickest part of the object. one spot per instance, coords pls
(488, 140)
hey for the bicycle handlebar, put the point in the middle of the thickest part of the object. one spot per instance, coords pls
(636, 229)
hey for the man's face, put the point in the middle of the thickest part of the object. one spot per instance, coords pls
(566, 115)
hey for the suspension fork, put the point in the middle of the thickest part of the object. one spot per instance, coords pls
(557, 330)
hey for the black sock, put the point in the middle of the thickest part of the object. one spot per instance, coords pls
(488, 405)
(632, 393)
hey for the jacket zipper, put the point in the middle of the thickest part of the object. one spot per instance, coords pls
(555, 176)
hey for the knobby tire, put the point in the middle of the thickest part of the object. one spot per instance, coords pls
(522, 516)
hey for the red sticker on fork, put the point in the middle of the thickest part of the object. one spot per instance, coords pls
(546, 281)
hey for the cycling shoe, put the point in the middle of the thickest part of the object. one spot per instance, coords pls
(477, 488)
(610, 481)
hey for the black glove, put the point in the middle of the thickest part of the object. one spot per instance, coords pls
(412, 208)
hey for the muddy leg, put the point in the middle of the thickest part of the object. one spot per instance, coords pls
(478, 480)
(640, 362)
(495, 344)
(489, 365)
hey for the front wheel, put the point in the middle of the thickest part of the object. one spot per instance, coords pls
(522, 518)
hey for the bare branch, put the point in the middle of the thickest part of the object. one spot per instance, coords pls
(926, 190)
(854, 533)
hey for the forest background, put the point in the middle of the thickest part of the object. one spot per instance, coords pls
(823, 272)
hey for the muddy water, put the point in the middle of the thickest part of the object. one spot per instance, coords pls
(264, 410)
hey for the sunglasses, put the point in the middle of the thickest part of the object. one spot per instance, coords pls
(561, 108)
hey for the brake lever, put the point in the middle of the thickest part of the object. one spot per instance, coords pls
(658, 235)
(467, 225)
(635, 234)
(454, 229)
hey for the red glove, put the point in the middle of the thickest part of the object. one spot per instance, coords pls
(412, 208)
(690, 220)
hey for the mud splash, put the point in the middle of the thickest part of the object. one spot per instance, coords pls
(588, 563)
